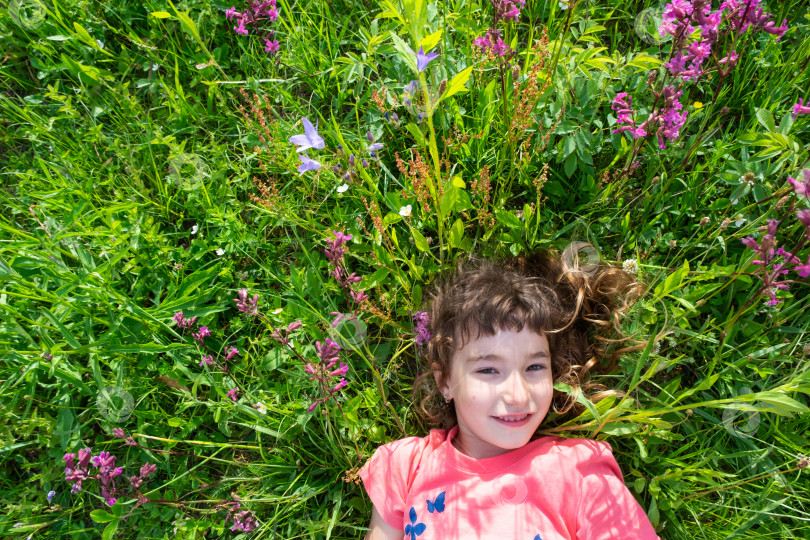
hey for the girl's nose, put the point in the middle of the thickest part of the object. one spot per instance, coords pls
(517, 390)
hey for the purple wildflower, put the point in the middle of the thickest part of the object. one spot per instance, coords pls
(233, 351)
(51, 495)
(271, 46)
(201, 334)
(244, 521)
(422, 59)
(334, 250)
(307, 164)
(247, 305)
(232, 393)
(183, 322)
(800, 108)
(308, 139)
(802, 187)
(207, 360)
(421, 320)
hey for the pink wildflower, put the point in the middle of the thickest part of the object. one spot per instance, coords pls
(232, 393)
(233, 351)
(271, 46)
(800, 108)
(802, 187)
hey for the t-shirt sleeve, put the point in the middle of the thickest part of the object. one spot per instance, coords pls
(607, 509)
(387, 476)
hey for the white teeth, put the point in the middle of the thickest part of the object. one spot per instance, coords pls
(516, 419)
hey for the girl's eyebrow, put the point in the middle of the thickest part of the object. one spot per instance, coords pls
(492, 357)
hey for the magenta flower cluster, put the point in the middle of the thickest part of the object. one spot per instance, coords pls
(800, 108)
(665, 122)
(778, 262)
(774, 262)
(504, 10)
(77, 471)
(683, 17)
(325, 372)
(243, 520)
(334, 252)
(421, 321)
(246, 305)
(256, 13)
(182, 322)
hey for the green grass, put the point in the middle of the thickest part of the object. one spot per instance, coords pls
(120, 134)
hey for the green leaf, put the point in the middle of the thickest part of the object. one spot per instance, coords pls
(419, 240)
(414, 130)
(161, 14)
(101, 516)
(570, 165)
(405, 52)
(457, 84)
(672, 282)
(448, 201)
(429, 42)
(619, 428)
(109, 530)
(784, 125)
(765, 118)
(456, 234)
(72, 341)
(508, 218)
(375, 279)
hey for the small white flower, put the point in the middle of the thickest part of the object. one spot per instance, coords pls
(630, 266)
(405, 211)
(220, 252)
(657, 347)
(194, 229)
(343, 188)
(739, 220)
(261, 407)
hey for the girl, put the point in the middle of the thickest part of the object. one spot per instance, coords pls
(501, 336)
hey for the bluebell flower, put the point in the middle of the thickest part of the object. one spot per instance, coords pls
(308, 139)
(307, 164)
(51, 495)
(411, 89)
(422, 59)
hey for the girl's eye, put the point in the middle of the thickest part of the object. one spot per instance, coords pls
(486, 371)
(537, 367)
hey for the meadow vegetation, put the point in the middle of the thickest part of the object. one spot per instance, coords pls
(219, 222)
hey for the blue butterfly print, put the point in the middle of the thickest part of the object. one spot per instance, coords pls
(437, 505)
(414, 529)
(537, 537)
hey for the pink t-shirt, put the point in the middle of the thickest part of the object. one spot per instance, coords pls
(550, 489)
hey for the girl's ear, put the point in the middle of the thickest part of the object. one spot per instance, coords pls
(437, 374)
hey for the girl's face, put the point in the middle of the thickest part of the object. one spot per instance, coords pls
(502, 387)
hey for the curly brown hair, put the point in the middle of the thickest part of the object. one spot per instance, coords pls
(577, 309)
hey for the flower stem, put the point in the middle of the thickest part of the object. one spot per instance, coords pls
(434, 154)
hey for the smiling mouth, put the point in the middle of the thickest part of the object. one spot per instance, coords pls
(513, 418)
